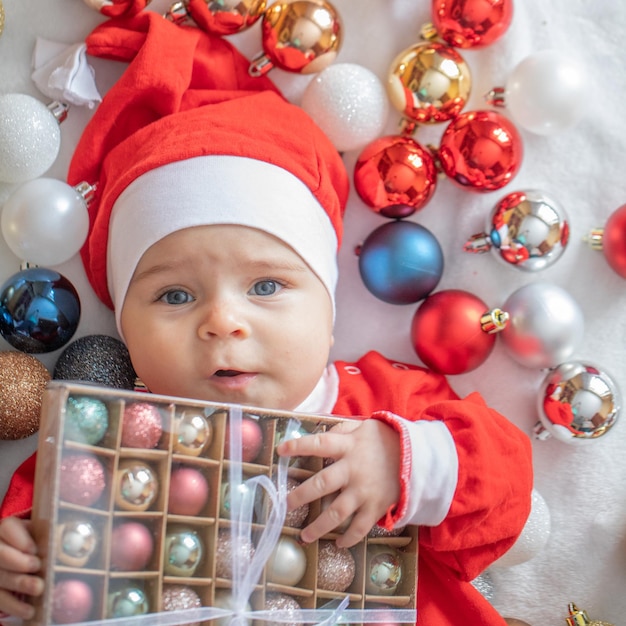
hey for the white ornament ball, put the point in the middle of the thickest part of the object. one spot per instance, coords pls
(30, 138)
(45, 221)
(547, 92)
(349, 103)
(545, 325)
(533, 537)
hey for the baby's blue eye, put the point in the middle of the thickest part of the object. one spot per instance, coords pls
(264, 288)
(176, 296)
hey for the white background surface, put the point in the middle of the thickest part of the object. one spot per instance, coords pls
(584, 560)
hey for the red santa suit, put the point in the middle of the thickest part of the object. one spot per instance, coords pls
(490, 471)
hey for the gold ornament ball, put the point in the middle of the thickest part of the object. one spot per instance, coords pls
(511, 621)
(23, 379)
(1, 17)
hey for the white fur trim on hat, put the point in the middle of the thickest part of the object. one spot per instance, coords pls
(220, 189)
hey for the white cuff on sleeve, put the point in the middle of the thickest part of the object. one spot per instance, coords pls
(434, 473)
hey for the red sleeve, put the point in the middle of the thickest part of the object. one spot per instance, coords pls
(18, 500)
(494, 491)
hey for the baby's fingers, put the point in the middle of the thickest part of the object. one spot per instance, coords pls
(16, 533)
(12, 605)
(339, 510)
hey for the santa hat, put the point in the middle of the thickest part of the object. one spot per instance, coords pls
(187, 137)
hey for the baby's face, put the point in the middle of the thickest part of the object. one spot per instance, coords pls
(227, 314)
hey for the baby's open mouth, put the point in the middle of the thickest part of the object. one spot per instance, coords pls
(227, 373)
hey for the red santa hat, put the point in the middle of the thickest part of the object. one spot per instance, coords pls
(187, 137)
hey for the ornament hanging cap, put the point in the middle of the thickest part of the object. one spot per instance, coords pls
(187, 137)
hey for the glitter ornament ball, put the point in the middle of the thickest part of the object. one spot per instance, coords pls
(45, 221)
(142, 426)
(72, 601)
(547, 92)
(183, 553)
(453, 331)
(545, 326)
(287, 563)
(282, 602)
(136, 486)
(251, 439)
(480, 151)
(533, 538)
(335, 567)
(82, 479)
(395, 176)
(97, 359)
(39, 310)
(300, 36)
(132, 546)
(189, 491)
(192, 433)
(383, 566)
(577, 403)
(224, 554)
(400, 262)
(76, 543)
(127, 602)
(179, 598)
(297, 517)
(471, 23)
(348, 102)
(612, 240)
(86, 419)
(528, 230)
(30, 138)
(23, 379)
(429, 83)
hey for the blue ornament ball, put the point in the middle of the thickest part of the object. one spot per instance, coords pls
(39, 310)
(401, 262)
(86, 420)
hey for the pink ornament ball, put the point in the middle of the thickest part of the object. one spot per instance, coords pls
(82, 479)
(189, 492)
(251, 440)
(142, 426)
(131, 547)
(72, 601)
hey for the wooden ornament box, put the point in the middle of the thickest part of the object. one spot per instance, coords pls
(50, 511)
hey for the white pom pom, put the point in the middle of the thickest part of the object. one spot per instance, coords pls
(30, 138)
(547, 92)
(349, 103)
(533, 538)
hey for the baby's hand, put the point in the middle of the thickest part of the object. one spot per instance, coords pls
(365, 472)
(18, 563)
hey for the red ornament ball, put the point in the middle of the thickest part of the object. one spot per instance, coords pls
(471, 23)
(447, 334)
(141, 426)
(481, 151)
(82, 479)
(131, 547)
(72, 601)
(614, 241)
(251, 439)
(189, 491)
(395, 176)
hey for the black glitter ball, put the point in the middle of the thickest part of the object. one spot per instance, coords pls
(96, 359)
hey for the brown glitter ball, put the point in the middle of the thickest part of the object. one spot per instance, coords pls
(179, 598)
(379, 531)
(142, 426)
(281, 602)
(223, 554)
(23, 379)
(335, 567)
(297, 517)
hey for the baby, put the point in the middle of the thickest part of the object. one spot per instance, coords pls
(213, 237)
